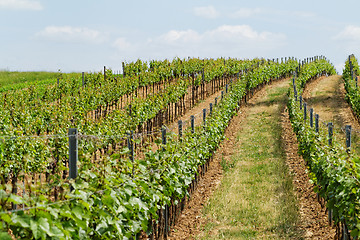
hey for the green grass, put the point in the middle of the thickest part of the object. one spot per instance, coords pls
(17, 80)
(255, 199)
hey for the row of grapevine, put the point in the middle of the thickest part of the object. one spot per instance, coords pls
(332, 168)
(52, 111)
(350, 73)
(121, 199)
(48, 155)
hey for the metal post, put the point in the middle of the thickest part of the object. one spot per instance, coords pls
(211, 108)
(130, 143)
(222, 95)
(317, 123)
(348, 137)
(345, 232)
(311, 117)
(301, 102)
(163, 137)
(192, 121)
(83, 79)
(123, 68)
(166, 221)
(356, 81)
(226, 88)
(305, 111)
(180, 123)
(73, 152)
(330, 131)
(204, 117)
(216, 101)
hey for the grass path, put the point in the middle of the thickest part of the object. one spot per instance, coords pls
(255, 199)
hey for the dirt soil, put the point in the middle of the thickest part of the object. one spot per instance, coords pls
(327, 96)
(313, 218)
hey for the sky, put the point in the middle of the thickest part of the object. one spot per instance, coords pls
(66, 36)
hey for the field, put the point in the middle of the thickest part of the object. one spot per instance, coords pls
(182, 149)
(18, 80)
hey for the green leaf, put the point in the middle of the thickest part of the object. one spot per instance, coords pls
(34, 228)
(101, 227)
(78, 212)
(136, 201)
(23, 220)
(56, 232)
(44, 224)
(6, 218)
(5, 236)
(15, 199)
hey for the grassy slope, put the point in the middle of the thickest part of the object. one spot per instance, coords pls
(17, 80)
(255, 199)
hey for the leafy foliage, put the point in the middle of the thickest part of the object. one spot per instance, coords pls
(117, 199)
(333, 170)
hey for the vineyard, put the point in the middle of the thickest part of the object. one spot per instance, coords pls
(109, 155)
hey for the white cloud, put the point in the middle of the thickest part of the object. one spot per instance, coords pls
(340, 67)
(237, 32)
(350, 33)
(304, 14)
(225, 40)
(122, 44)
(21, 5)
(71, 34)
(180, 36)
(224, 32)
(246, 12)
(206, 12)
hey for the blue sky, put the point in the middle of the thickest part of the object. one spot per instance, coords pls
(87, 35)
